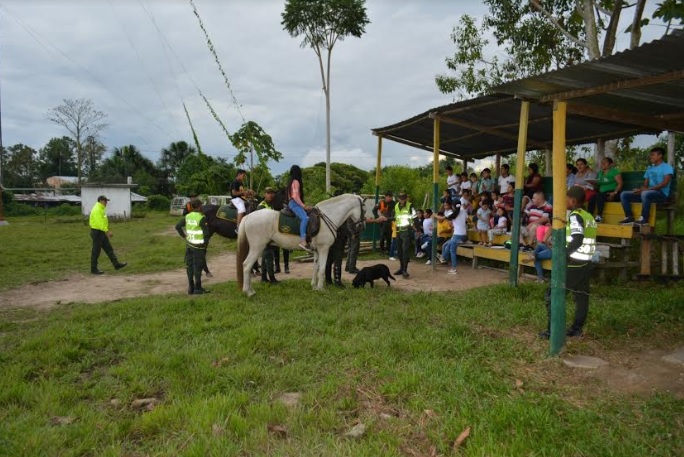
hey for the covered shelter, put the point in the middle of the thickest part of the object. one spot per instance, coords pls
(631, 92)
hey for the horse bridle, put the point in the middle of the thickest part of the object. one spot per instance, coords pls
(333, 228)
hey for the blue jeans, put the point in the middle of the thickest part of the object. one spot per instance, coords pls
(646, 197)
(449, 248)
(301, 215)
(541, 252)
(428, 250)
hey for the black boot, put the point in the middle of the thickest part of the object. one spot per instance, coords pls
(272, 279)
(198, 288)
(338, 275)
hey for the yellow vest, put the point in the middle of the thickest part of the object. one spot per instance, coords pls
(193, 231)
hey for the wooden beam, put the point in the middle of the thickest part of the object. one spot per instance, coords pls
(653, 122)
(615, 86)
(490, 130)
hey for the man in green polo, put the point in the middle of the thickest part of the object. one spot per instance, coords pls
(100, 234)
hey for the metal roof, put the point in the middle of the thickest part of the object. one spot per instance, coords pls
(631, 92)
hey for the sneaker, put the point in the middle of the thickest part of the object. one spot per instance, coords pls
(598, 219)
(405, 275)
(452, 271)
(627, 221)
(429, 262)
(96, 272)
(420, 255)
(540, 280)
(440, 258)
(424, 246)
(393, 258)
(119, 266)
(305, 246)
(641, 221)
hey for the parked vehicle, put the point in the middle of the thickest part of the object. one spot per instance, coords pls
(217, 200)
(177, 206)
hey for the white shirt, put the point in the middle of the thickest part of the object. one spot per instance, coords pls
(460, 225)
(504, 182)
(427, 226)
(452, 182)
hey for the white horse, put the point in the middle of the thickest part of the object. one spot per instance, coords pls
(260, 228)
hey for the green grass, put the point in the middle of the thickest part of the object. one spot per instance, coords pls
(416, 369)
(36, 249)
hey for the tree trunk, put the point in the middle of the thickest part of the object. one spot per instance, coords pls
(635, 37)
(586, 10)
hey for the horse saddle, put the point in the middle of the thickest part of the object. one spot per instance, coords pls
(288, 223)
(227, 213)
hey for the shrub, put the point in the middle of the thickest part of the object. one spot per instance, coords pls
(139, 210)
(65, 209)
(7, 197)
(158, 203)
(20, 209)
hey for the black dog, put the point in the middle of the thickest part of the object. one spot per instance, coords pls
(370, 274)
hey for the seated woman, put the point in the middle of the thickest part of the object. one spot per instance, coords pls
(585, 178)
(609, 187)
(533, 183)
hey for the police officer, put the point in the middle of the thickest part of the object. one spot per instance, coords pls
(384, 212)
(267, 267)
(100, 234)
(580, 245)
(335, 255)
(403, 216)
(354, 245)
(188, 209)
(195, 234)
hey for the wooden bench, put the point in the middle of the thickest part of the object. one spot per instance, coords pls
(613, 214)
(504, 255)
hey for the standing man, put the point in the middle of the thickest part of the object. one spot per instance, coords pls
(384, 213)
(354, 246)
(580, 242)
(186, 211)
(196, 233)
(240, 194)
(656, 188)
(268, 256)
(100, 234)
(333, 263)
(404, 215)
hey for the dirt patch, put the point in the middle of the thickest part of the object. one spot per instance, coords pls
(116, 286)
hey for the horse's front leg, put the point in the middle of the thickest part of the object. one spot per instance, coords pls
(319, 275)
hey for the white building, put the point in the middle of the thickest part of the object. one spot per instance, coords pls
(119, 195)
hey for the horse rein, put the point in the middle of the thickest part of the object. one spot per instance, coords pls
(331, 225)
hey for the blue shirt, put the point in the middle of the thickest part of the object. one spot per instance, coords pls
(656, 174)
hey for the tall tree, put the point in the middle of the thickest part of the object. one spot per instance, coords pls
(128, 161)
(323, 23)
(21, 166)
(57, 158)
(172, 158)
(81, 120)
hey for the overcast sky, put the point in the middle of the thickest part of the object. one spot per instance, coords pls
(138, 60)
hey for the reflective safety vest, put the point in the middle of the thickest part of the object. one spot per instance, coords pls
(403, 216)
(264, 204)
(585, 253)
(193, 231)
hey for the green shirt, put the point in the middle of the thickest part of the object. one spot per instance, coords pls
(607, 182)
(98, 218)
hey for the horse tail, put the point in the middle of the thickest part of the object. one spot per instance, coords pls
(242, 251)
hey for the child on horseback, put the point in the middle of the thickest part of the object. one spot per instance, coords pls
(295, 194)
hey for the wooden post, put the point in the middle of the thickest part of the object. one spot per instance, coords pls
(675, 258)
(435, 188)
(558, 269)
(517, 196)
(645, 251)
(663, 257)
(377, 185)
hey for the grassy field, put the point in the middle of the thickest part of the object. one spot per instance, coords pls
(415, 369)
(35, 249)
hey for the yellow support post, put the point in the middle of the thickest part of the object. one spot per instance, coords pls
(559, 262)
(377, 185)
(519, 170)
(435, 186)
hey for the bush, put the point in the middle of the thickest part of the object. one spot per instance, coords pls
(7, 197)
(139, 211)
(65, 209)
(158, 203)
(20, 209)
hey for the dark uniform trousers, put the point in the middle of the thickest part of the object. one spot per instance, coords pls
(195, 261)
(404, 237)
(353, 255)
(577, 278)
(100, 243)
(335, 255)
(267, 263)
